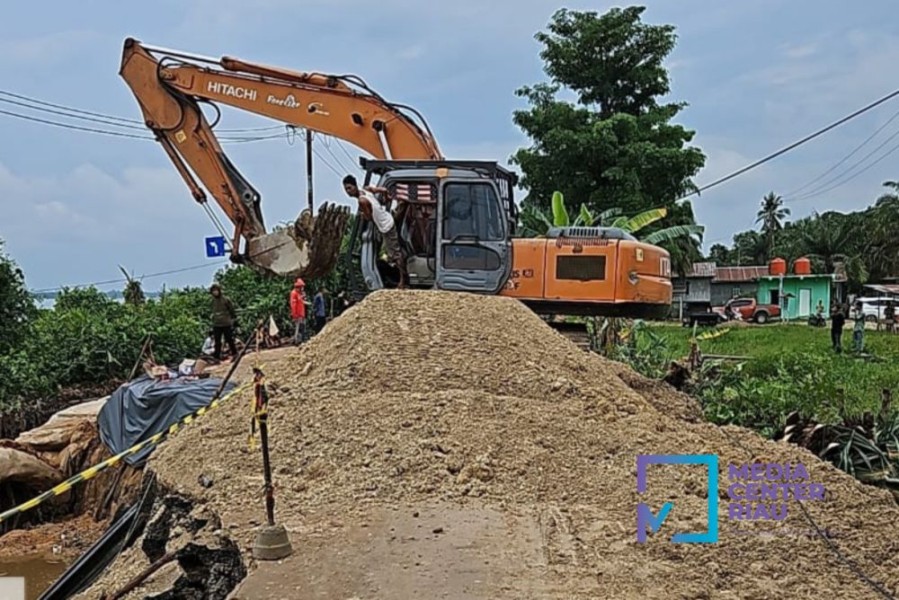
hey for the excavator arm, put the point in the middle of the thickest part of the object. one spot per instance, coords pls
(170, 87)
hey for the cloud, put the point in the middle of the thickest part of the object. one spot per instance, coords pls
(411, 52)
(90, 220)
(816, 79)
(800, 51)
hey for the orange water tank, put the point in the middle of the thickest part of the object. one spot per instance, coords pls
(802, 266)
(777, 266)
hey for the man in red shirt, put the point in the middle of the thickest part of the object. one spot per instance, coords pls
(298, 311)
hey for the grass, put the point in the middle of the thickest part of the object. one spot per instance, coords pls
(792, 367)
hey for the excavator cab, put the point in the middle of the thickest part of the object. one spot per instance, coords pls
(455, 221)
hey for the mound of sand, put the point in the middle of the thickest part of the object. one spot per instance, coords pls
(452, 402)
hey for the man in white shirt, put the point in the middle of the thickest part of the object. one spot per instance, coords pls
(373, 210)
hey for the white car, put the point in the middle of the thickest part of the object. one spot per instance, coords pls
(874, 307)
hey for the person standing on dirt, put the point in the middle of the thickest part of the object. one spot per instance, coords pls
(837, 321)
(298, 311)
(223, 317)
(373, 210)
(318, 309)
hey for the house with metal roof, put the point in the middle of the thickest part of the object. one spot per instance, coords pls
(706, 285)
(734, 282)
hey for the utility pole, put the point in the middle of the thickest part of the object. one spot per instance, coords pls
(309, 167)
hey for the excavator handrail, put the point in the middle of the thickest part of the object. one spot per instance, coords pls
(490, 168)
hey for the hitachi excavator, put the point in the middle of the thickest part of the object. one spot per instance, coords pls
(456, 219)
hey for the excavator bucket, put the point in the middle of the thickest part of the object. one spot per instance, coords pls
(307, 248)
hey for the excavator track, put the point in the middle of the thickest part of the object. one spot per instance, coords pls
(577, 333)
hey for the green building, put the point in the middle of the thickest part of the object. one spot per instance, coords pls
(797, 295)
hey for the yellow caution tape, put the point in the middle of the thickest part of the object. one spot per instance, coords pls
(709, 335)
(92, 472)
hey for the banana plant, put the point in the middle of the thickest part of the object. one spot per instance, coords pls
(560, 213)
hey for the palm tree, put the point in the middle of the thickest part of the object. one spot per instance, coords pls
(883, 246)
(771, 215)
(134, 294)
(827, 239)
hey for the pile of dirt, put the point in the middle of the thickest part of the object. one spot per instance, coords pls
(444, 399)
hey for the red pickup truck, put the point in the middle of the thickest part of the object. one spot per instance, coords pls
(747, 309)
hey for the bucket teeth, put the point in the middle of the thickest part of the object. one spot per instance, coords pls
(310, 247)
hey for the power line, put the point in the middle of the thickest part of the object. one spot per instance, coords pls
(103, 120)
(336, 158)
(124, 280)
(845, 158)
(121, 121)
(845, 181)
(68, 108)
(342, 147)
(818, 189)
(224, 139)
(792, 146)
(76, 127)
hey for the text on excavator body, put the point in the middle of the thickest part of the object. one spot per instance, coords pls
(234, 91)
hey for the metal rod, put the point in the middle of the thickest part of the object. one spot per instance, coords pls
(267, 467)
(182, 54)
(262, 417)
(384, 145)
(143, 575)
(309, 167)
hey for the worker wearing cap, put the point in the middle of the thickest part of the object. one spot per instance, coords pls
(223, 316)
(298, 311)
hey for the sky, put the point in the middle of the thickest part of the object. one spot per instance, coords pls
(756, 76)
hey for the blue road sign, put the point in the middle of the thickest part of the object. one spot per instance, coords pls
(215, 246)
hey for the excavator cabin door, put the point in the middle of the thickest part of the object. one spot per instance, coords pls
(474, 246)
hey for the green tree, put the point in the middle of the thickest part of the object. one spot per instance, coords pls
(771, 215)
(719, 254)
(16, 304)
(615, 146)
(749, 248)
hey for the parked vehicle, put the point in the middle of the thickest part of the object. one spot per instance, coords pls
(748, 309)
(817, 320)
(874, 307)
(705, 319)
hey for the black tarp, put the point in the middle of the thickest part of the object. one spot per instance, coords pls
(146, 406)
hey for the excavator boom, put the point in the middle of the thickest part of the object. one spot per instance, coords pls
(455, 220)
(170, 87)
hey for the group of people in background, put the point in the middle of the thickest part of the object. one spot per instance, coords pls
(298, 306)
(224, 318)
(840, 313)
(224, 314)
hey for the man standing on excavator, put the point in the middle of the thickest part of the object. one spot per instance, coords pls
(373, 210)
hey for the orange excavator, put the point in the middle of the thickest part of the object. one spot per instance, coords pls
(456, 219)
